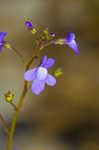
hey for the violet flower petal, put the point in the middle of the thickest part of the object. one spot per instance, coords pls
(38, 86)
(2, 36)
(73, 45)
(70, 37)
(50, 62)
(50, 80)
(30, 74)
(44, 61)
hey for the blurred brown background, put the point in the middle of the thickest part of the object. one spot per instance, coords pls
(65, 117)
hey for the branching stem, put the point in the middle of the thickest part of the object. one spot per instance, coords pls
(12, 129)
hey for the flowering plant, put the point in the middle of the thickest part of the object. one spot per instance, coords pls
(39, 75)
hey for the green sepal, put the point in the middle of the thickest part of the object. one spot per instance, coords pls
(58, 72)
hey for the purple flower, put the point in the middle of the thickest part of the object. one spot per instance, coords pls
(2, 36)
(41, 76)
(70, 41)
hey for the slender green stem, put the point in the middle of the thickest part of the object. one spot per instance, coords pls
(51, 42)
(47, 44)
(4, 124)
(10, 138)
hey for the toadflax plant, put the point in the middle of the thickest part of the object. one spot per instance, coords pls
(39, 75)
